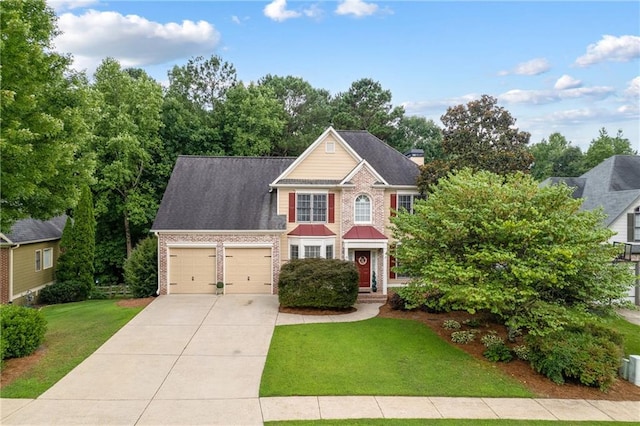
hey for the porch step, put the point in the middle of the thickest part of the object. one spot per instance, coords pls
(372, 298)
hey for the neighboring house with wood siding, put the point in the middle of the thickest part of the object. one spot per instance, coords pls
(614, 186)
(238, 219)
(28, 256)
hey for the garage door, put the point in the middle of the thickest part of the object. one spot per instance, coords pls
(192, 270)
(247, 270)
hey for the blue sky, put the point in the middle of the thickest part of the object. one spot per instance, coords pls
(568, 67)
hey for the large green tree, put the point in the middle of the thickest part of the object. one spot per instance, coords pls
(42, 108)
(128, 147)
(605, 146)
(419, 133)
(366, 106)
(250, 120)
(76, 261)
(555, 157)
(307, 113)
(483, 136)
(500, 244)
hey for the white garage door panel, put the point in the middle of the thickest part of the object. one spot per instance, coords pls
(248, 270)
(192, 270)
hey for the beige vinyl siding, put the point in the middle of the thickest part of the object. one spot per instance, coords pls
(192, 270)
(25, 276)
(320, 164)
(248, 270)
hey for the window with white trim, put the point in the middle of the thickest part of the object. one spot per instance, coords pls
(330, 147)
(362, 209)
(636, 227)
(47, 258)
(407, 201)
(38, 260)
(328, 254)
(294, 251)
(312, 251)
(311, 207)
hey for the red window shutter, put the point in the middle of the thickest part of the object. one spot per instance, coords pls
(392, 263)
(394, 204)
(292, 207)
(332, 207)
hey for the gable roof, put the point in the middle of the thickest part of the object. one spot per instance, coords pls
(394, 167)
(613, 185)
(222, 193)
(27, 231)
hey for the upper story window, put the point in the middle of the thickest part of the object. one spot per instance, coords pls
(38, 260)
(636, 227)
(406, 201)
(363, 209)
(311, 208)
(47, 258)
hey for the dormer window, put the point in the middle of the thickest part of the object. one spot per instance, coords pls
(330, 147)
(362, 209)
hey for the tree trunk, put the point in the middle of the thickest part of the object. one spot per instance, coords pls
(127, 233)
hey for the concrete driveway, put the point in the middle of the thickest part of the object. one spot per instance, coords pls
(185, 359)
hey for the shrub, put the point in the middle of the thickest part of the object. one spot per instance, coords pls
(497, 352)
(451, 325)
(318, 283)
(576, 354)
(396, 302)
(21, 331)
(522, 352)
(141, 269)
(463, 337)
(472, 322)
(64, 292)
(491, 339)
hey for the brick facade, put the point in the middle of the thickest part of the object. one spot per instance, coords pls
(218, 241)
(4, 274)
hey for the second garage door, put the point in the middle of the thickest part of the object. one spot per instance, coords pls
(247, 270)
(192, 270)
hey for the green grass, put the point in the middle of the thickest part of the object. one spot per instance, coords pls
(437, 422)
(380, 356)
(74, 331)
(631, 333)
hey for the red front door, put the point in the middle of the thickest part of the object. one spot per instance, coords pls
(363, 260)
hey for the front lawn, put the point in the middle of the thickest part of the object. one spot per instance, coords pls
(631, 333)
(379, 356)
(74, 331)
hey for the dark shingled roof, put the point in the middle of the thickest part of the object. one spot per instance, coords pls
(394, 167)
(222, 193)
(613, 185)
(32, 230)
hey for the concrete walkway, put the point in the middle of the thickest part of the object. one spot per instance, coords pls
(198, 360)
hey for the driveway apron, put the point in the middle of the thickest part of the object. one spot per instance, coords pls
(185, 359)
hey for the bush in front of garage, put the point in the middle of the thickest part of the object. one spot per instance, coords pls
(318, 283)
(141, 269)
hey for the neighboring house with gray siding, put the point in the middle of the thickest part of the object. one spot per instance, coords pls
(28, 257)
(614, 186)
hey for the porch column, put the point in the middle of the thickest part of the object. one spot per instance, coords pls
(345, 254)
(384, 270)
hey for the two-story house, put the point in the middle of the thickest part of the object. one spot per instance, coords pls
(236, 220)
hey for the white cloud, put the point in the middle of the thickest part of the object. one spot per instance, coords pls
(235, 20)
(314, 12)
(277, 10)
(539, 97)
(438, 106)
(611, 48)
(633, 90)
(567, 82)
(358, 8)
(131, 39)
(533, 67)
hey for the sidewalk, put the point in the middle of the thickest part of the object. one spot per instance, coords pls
(194, 360)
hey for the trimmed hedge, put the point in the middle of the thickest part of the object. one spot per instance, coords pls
(318, 283)
(590, 355)
(64, 292)
(22, 331)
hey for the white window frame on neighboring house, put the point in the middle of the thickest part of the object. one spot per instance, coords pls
(636, 224)
(362, 209)
(321, 246)
(47, 258)
(315, 212)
